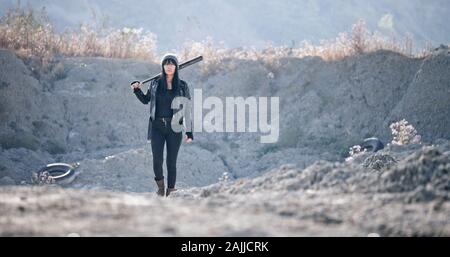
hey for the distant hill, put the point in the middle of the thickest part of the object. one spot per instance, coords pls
(253, 22)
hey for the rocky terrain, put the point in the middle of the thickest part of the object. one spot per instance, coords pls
(408, 198)
(82, 110)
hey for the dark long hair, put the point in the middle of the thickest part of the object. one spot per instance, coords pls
(163, 77)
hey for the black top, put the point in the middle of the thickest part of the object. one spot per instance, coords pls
(163, 103)
(164, 98)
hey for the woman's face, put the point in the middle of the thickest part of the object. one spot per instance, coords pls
(169, 67)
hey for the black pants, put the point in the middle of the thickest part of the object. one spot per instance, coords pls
(162, 133)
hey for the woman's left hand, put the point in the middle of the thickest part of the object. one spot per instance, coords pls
(188, 140)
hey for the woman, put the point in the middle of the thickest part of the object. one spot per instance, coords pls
(160, 94)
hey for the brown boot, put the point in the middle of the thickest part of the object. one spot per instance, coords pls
(160, 184)
(170, 190)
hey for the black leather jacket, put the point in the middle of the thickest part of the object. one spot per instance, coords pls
(150, 97)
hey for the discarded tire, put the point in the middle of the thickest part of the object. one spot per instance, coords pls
(55, 173)
(372, 144)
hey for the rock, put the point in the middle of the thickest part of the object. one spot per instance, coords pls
(428, 167)
(379, 161)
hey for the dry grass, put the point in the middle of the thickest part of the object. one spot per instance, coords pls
(30, 34)
(404, 133)
(358, 41)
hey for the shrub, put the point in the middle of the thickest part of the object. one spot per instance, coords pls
(27, 33)
(360, 40)
(30, 33)
(404, 133)
(58, 72)
(355, 151)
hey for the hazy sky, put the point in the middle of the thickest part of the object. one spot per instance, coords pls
(254, 22)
